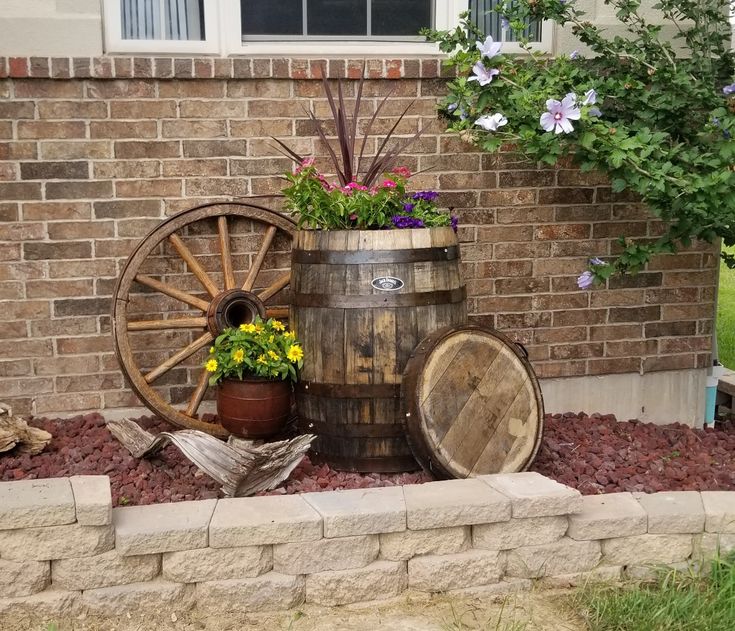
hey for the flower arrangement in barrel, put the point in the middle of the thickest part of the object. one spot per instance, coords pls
(262, 348)
(651, 106)
(364, 193)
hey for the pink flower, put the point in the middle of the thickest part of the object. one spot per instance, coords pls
(308, 162)
(560, 114)
(402, 172)
(388, 184)
(483, 75)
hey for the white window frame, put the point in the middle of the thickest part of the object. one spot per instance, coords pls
(114, 42)
(224, 37)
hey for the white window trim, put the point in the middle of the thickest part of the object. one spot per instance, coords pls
(224, 37)
(114, 43)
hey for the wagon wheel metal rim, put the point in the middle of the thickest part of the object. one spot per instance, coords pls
(221, 307)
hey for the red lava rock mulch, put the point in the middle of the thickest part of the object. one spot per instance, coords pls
(594, 454)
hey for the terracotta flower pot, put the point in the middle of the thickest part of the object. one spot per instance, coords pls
(254, 407)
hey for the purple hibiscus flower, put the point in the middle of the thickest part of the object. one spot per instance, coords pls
(590, 97)
(585, 280)
(729, 89)
(489, 48)
(597, 261)
(558, 118)
(482, 75)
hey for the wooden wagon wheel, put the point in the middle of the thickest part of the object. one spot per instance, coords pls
(232, 304)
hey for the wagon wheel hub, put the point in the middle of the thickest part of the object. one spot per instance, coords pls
(232, 308)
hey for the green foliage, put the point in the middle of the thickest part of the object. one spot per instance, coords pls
(665, 126)
(726, 315)
(256, 349)
(329, 206)
(677, 601)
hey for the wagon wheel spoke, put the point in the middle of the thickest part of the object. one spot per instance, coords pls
(275, 287)
(259, 258)
(164, 325)
(176, 359)
(182, 296)
(198, 394)
(276, 312)
(194, 266)
(224, 248)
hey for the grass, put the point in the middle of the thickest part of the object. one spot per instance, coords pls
(676, 602)
(726, 315)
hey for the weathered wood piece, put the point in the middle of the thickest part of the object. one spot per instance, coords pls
(154, 381)
(17, 436)
(473, 403)
(358, 329)
(241, 467)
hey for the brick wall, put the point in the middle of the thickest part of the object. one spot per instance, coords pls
(96, 152)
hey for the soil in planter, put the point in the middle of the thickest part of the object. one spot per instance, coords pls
(595, 454)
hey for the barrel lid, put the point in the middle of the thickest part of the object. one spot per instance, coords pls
(473, 403)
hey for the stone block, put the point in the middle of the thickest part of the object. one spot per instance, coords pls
(453, 503)
(377, 581)
(271, 591)
(162, 527)
(93, 499)
(529, 531)
(495, 591)
(658, 571)
(239, 522)
(52, 604)
(32, 503)
(104, 570)
(606, 516)
(151, 596)
(441, 573)
(401, 546)
(533, 495)
(711, 545)
(646, 549)
(23, 578)
(602, 574)
(341, 553)
(55, 542)
(719, 510)
(216, 564)
(676, 512)
(360, 511)
(565, 556)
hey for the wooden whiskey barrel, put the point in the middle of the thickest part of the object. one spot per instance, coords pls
(361, 302)
(473, 403)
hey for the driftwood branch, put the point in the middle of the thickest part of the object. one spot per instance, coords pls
(239, 466)
(18, 436)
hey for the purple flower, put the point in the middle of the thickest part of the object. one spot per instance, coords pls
(408, 208)
(729, 89)
(585, 280)
(504, 23)
(489, 48)
(595, 111)
(492, 122)
(399, 221)
(590, 97)
(482, 75)
(574, 54)
(597, 261)
(452, 106)
(454, 222)
(558, 118)
(427, 196)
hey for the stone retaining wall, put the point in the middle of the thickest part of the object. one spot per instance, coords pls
(64, 550)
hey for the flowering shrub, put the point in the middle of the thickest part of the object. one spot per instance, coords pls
(659, 119)
(330, 206)
(257, 349)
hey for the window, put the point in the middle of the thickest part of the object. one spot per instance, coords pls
(294, 27)
(489, 22)
(330, 19)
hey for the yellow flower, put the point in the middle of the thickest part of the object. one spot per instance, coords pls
(295, 353)
(211, 350)
(289, 335)
(271, 338)
(261, 360)
(247, 328)
(238, 356)
(211, 365)
(258, 328)
(278, 325)
(273, 355)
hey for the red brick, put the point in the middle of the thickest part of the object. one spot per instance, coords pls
(123, 129)
(148, 188)
(561, 334)
(45, 130)
(78, 190)
(123, 89)
(669, 362)
(566, 195)
(562, 232)
(548, 370)
(614, 365)
(670, 329)
(579, 316)
(148, 149)
(56, 210)
(72, 109)
(75, 150)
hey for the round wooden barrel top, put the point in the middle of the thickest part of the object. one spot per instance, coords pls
(473, 403)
